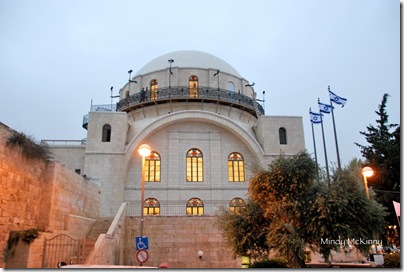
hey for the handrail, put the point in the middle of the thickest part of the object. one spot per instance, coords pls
(189, 94)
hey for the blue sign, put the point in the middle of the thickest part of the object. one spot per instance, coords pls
(142, 242)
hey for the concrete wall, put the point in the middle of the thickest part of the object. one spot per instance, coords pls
(177, 239)
(43, 195)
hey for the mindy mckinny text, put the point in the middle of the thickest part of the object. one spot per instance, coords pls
(349, 241)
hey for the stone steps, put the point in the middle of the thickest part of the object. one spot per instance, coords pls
(99, 227)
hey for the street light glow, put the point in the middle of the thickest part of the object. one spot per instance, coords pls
(144, 150)
(367, 171)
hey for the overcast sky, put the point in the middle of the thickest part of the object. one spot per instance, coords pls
(58, 55)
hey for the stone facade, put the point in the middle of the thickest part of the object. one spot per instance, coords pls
(217, 121)
(176, 240)
(42, 195)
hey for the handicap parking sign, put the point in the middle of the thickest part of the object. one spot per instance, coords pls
(142, 242)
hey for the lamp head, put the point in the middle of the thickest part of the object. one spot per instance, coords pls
(367, 171)
(144, 150)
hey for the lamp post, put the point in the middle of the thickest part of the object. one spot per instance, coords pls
(169, 76)
(367, 172)
(144, 151)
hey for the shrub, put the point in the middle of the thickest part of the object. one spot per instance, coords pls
(392, 260)
(29, 148)
(272, 263)
(27, 236)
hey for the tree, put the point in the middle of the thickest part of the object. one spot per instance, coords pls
(383, 155)
(304, 213)
(245, 231)
(286, 192)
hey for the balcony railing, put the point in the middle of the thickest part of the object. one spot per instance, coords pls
(106, 107)
(164, 95)
(201, 94)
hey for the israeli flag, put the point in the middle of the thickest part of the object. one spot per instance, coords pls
(324, 107)
(315, 117)
(337, 99)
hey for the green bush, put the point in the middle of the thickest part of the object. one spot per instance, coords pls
(392, 260)
(273, 263)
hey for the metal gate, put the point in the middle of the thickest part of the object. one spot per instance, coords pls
(63, 248)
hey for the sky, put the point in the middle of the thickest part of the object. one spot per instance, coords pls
(59, 56)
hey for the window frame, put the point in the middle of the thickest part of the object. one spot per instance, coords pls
(283, 139)
(236, 204)
(193, 89)
(156, 209)
(154, 88)
(195, 207)
(235, 167)
(106, 133)
(194, 165)
(156, 167)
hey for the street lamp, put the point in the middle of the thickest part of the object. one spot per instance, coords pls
(169, 76)
(144, 151)
(367, 172)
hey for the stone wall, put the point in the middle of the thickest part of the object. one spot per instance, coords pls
(176, 240)
(39, 194)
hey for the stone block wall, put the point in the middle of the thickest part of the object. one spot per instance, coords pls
(39, 194)
(176, 240)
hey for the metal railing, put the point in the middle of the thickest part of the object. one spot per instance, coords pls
(65, 142)
(177, 209)
(190, 94)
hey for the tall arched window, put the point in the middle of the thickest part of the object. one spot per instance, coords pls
(236, 204)
(106, 133)
(193, 86)
(235, 165)
(282, 136)
(195, 206)
(194, 165)
(151, 207)
(230, 86)
(154, 86)
(152, 167)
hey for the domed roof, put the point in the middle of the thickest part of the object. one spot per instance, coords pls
(188, 59)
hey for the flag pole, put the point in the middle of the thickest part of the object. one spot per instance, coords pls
(325, 151)
(335, 133)
(315, 149)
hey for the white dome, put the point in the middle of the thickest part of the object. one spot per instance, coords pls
(188, 59)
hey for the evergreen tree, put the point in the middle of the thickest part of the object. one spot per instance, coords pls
(383, 155)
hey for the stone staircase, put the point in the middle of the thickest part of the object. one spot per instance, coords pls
(100, 226)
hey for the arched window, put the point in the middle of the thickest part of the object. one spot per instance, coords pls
(194, 165)
(230, 86)
(151, 207)
(193, 86)
(282, 136)
(235, 165)
(236, 204)
(152, 167)
(195, 206)
(106, 133)
(154, 86)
